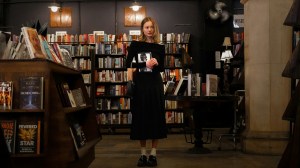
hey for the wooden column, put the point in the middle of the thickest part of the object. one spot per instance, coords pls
(268, 46)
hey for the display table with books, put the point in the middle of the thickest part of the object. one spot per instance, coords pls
(207, 112)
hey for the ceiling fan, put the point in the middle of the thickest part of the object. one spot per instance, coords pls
(219, 12)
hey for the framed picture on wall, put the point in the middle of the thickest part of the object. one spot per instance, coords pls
(134, 18)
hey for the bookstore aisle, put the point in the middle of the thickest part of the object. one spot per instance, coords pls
(117, 151)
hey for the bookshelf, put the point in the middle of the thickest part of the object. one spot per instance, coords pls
(111, 103)
(56, 148)
(174, 68)
(105, 75)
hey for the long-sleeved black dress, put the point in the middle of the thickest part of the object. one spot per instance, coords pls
(147, 105)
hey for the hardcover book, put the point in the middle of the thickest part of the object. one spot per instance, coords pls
(66, 95)
(6, 95)
(31, 92)
(169, 88)
(143, 57)
(9, 132)
(78, 97)
(77, 135)
(211, 85)
(33, 42)
(181, 86)
(28, 137)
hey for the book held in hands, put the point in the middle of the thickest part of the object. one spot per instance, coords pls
(143, 57)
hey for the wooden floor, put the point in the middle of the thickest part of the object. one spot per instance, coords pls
(118, 151)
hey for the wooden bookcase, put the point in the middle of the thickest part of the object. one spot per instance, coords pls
(56, 143)
(111, 103)
(102, 59)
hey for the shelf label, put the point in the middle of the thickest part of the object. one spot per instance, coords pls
(134, 32)
(98, 32)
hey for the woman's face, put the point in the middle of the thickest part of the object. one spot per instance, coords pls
(148, 29)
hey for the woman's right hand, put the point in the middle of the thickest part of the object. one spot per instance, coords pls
(151, 63)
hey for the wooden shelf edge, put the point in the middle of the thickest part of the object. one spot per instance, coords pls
(85, 149)
(75, 109)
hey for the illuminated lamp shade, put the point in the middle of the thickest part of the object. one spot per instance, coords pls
(54, 7)
(135, 6)
(226, 56)
(226, 41)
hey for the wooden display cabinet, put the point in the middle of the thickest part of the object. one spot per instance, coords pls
(57, 147)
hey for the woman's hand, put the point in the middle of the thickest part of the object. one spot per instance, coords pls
(151, 63)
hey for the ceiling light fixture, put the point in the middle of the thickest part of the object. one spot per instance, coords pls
(54, 6)
(135, 6)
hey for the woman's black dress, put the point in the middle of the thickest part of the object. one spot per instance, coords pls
(147, 105)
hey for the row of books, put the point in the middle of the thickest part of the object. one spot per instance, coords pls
(113, 104)
(175, 37)
(82, 63)
(111, 76)
(174, 117)
(31, 92)
(117, 48)
(175, 74)
(101, 36)
(70, 97)
(31, 45)
(111, 62)
(171, 104)
(114, 118)
(22, 136)
(174, 48)
(111, 90)
(86, 38)
(172, 61)
(78, 50)
(192, 85)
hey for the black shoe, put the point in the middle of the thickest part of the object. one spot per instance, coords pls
(152, 161)
(142, 161)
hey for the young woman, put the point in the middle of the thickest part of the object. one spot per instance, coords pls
(148, 111)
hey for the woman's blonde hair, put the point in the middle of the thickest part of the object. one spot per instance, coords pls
(156, 30)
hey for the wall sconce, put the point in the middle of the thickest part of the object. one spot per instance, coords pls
(62, 18)
(54, 6)
(135, 6)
